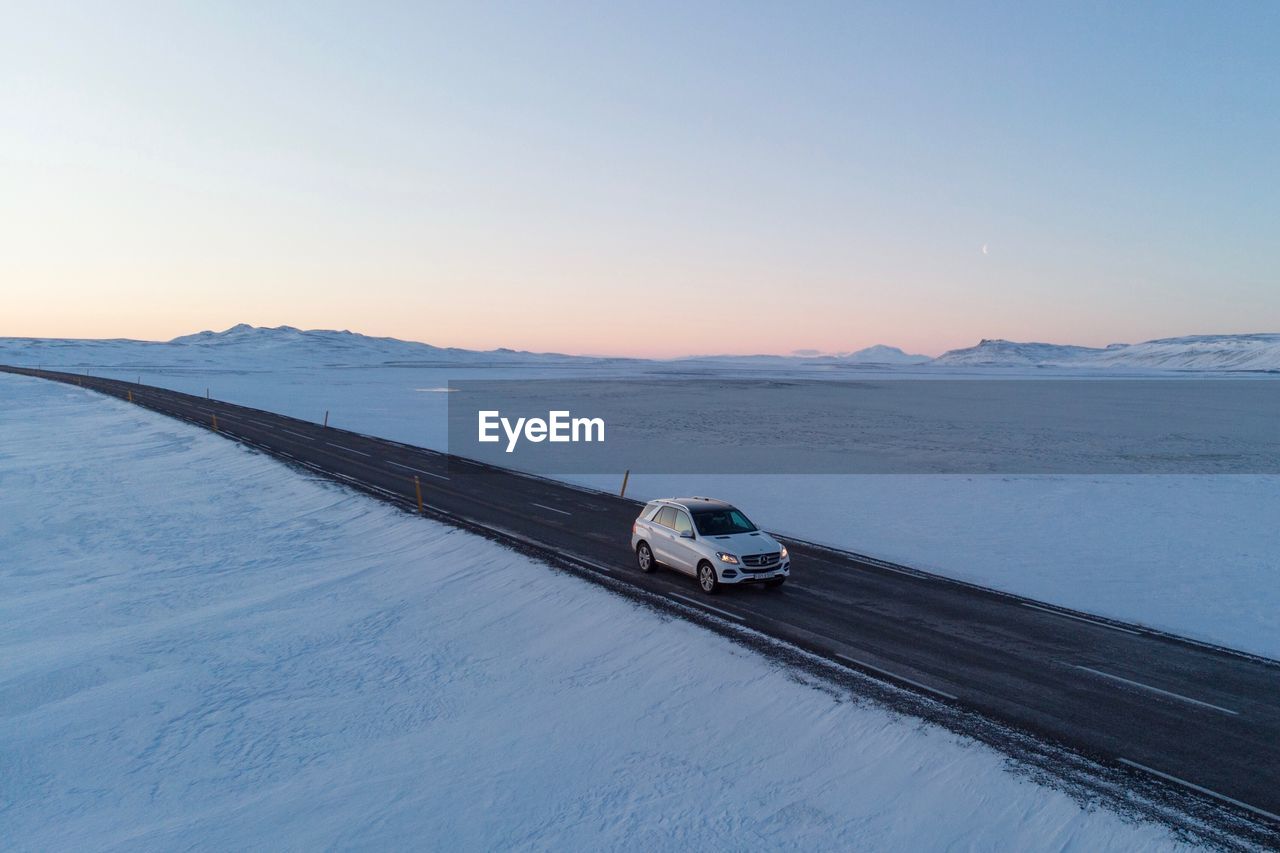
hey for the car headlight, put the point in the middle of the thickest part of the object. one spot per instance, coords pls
(727, 558)
(783, 555)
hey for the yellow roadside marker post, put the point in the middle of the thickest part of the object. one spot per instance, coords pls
(417, 487)
(625, 477)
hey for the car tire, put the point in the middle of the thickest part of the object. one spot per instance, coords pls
(774, 583)
(645, 559)
(707, 580)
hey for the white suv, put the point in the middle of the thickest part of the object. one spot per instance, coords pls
(709, 539)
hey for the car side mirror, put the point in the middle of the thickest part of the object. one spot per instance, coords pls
(686, 534)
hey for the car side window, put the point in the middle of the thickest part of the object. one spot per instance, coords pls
(683, 524)
(666, 517)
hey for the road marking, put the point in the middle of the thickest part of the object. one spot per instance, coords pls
(298, 434)
(895, 676)
(697, 603)
(418, 470)
(348, 449)
(1203, 790)
(260, 423)
(551, 509)
(600, 567)
(1157, 690)
(1080, 618)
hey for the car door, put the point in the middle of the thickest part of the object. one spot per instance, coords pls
(662, 541)
(683, 556)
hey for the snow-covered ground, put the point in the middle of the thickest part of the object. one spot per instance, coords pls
(201, 648)
(1195, 555)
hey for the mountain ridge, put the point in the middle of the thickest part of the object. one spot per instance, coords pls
(247, 346)
(1259, 351)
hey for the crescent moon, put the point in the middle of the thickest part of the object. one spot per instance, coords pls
(984, 248)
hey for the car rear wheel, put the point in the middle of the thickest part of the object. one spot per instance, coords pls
(644, 558)
(707, 580)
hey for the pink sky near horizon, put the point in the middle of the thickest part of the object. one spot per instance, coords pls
(493, 337)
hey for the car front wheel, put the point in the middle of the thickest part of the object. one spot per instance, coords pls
(707, 580)
(644, 558)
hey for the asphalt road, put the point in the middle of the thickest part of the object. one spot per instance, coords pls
(1168, 713)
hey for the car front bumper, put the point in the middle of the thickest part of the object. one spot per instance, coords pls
(736, 574)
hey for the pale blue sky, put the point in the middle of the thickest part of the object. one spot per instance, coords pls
(643, 178)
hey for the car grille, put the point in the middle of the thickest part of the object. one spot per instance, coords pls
(762, 560)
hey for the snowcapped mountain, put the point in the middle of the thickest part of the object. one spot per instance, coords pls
(320, 346)
(1194, 352)
(1198, 352)
(881, 354)
(1001, 353)
(255, 347)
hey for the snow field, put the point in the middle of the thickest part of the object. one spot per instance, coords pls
(200, 647)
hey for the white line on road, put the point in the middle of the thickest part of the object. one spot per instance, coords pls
(1157, 690)
(348, 449)
(298, 434)
(550, 508)
(895, 676)
(1193, 786)
(593, 564)
(418, 470)
(260, 423)
(1080, 618)
(707, 606)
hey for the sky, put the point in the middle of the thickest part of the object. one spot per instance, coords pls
(642, 178)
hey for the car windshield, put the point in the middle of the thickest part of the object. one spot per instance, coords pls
(722, 522)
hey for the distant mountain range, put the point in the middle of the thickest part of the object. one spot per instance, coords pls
(255, 347)
(1193, 352)
(345, 347)
(878, 354)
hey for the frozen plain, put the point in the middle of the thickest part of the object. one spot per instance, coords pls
(202, 648)
(1197, 555)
